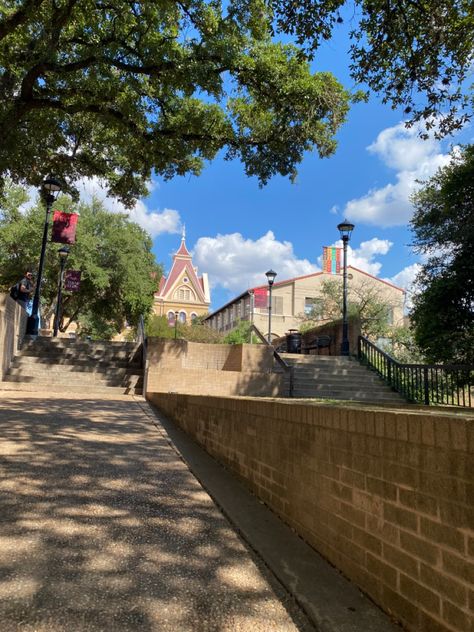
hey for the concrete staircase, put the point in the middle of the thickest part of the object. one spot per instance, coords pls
(76, 366)
(337, 377)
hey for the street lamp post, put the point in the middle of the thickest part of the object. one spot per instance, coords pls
(63, 255)
(271, 274)
(176, 315)
(51, 188)
(345, 229)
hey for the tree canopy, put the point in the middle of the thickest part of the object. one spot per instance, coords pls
(119, 90)
(119, 272)
(443, 225)
(366, 302)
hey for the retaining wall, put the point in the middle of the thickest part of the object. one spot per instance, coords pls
(12, 328)
(179, 366)
(386, 495)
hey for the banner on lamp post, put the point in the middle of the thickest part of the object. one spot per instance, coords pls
(72, 280)
(64, 227)
(332, 259)
(260, 297)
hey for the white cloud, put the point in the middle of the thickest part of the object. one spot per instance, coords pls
(414, 159)
(236, 263)
(334, 210)
(363, 256)
(406, 277)
(155, 222)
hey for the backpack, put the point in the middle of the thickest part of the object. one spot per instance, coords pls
(14, 292)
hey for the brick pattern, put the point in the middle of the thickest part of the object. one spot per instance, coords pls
(386, 496)
(189, 367)
(12, 328)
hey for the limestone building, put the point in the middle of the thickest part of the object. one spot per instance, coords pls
(293, 298)
(182, 291)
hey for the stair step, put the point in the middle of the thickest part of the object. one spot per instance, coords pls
(77, 343)
(72, 388)
(90, 368)
(82, 378)
(48, 362)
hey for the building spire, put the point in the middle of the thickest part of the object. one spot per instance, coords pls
(183, 235)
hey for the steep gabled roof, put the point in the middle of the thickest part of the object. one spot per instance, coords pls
(182, 265)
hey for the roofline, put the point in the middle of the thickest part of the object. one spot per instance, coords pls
(314, 274)
(229, 303)
(305, 276)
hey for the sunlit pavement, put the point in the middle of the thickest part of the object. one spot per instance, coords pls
(103, 527)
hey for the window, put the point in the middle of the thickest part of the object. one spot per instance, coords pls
(182, 317)
(170, 318)
(308, 305)
(390, 316)
(193, 316)
(314, 307)
(277, 304)
(184, 294)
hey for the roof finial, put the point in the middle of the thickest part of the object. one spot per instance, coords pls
(183, 236)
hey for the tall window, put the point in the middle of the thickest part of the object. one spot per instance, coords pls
(170, 318)
(182, 317)
(184, 294)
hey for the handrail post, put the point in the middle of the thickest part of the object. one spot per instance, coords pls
(426, 386)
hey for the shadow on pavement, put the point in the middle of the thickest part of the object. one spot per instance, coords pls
(102, 527)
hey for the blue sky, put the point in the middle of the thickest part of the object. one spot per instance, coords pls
(236, 230)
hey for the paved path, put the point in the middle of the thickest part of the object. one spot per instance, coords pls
(103, 527)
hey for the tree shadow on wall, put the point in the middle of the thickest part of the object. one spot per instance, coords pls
(102, 527)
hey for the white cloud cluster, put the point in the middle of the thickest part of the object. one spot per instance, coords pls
(154, 222)
(414, 159)
(236, 263)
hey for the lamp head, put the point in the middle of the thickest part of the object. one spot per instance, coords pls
(52, 185)
(345, 229)
(63, 252)
(271, 274)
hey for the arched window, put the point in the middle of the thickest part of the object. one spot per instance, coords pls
(193, 316)
(182, 317)
(184, 293)
(171, 318)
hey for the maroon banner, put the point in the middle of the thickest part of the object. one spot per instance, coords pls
(64, 227)
(72, 280)
(260, 297)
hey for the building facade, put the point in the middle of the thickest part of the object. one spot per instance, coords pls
(294, 298)
(182, 291)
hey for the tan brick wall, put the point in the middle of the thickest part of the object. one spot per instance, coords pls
(386, 495)
(179, 366)
(12, 328)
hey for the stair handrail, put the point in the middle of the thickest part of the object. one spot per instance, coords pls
(285, 366)
(428, 384)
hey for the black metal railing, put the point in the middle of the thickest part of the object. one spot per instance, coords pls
(285, 366)
(429, 384)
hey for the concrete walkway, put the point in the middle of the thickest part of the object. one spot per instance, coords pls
(103, 527)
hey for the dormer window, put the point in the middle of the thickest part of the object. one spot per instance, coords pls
(184, 293)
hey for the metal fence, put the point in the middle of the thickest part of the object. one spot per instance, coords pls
(429, 384)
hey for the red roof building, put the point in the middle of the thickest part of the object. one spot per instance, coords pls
(182, 291)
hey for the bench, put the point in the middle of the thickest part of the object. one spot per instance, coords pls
(321, 342)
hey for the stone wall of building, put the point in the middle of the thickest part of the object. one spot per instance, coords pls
(12, 329)
(386, 495)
